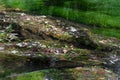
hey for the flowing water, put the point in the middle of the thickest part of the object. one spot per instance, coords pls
(113, 62)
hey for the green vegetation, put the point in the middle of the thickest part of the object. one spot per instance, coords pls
(26, 5)
(107, 32)
(63, 74)
(87, 17)
(102, 13)
(28, 76)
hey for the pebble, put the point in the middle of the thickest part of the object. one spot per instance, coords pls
(2, 48)
(14, 51)
(72, 29)
(22, 14)
(43, 16)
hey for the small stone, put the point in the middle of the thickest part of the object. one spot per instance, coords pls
(34, 44)
(103, 41)
(64, 51)
(43, 16)
(22, 14)
(19, 44)
(58, 21)
(46, 22)
(108, 71)
(102, 78)
(24, 44)
(78, 68)
(14, 51)
(2, 48)
(43, 46)
(55, 29)
(28, 19)
(57, 52)
(112, 62)
(72, 29)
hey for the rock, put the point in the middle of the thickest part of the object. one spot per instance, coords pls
(45, 44)
(36, 30)
(2, 48)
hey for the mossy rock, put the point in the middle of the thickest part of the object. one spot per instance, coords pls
(60, 43)
(78, 73)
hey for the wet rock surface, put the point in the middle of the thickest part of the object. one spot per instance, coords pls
(34, 42)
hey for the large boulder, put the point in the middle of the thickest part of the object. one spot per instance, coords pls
(45, 42)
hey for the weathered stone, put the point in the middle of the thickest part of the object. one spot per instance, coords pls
(65, 44)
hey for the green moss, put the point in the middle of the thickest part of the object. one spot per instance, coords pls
(28, 76)
(79, 73)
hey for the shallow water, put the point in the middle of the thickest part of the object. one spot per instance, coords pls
(112, 62)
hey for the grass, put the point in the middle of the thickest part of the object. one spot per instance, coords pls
(110, 7)
(87, 17)
(107, 32)
(26, 5)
